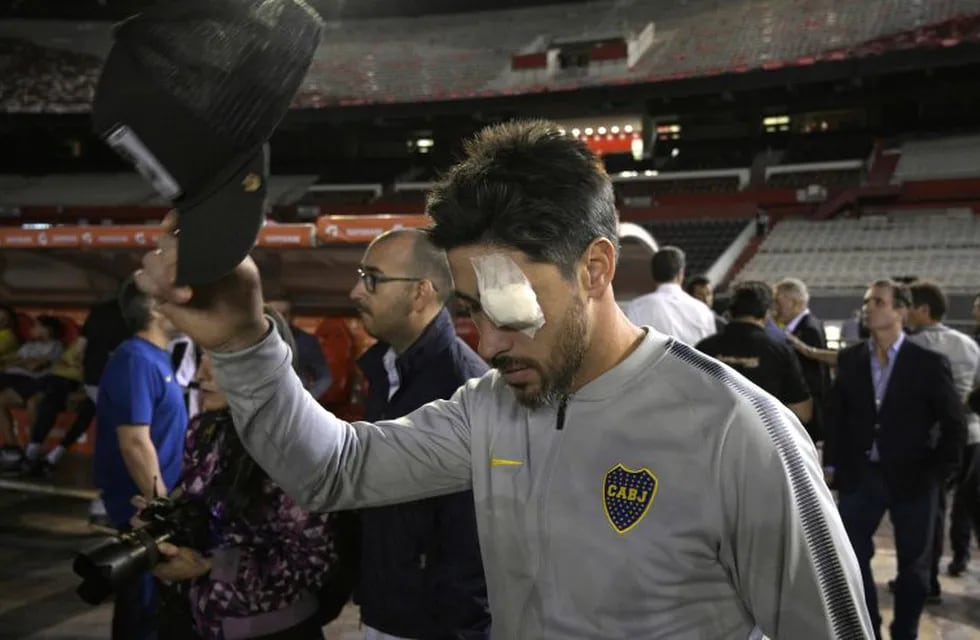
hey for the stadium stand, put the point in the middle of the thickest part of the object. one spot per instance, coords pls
(702, 240)
(111, 189)
(34, 78)
(448, 57)
(939, 158)
(830, 178)
(844, 254)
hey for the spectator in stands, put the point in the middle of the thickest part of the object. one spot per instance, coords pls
(140, 424)
(64, 379)
(421, 574)
(792, 311)
(8, 334)
(21, 380)
(260, 574)
(925, 320)
(896, 431)
(700, 287)
(669, 309)
(314, 370)
(744, 345)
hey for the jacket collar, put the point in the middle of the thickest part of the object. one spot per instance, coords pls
(437, 336)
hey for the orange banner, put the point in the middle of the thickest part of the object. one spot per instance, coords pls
(328, 230)
(74, 237)
(287, 235)
(334, 229)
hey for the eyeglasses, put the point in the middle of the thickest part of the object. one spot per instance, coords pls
(371, 280)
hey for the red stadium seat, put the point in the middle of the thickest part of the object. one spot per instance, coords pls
(466, 330)
(25, 327)
(337, 345)
(69, 330)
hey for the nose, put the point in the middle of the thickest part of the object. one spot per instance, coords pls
(493, 341)
(357, 293)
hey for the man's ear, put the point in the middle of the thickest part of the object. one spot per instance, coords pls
(599, 267)
(425, 292)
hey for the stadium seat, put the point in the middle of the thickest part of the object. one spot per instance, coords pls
(25, 327)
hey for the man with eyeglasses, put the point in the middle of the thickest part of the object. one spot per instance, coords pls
(421, 575)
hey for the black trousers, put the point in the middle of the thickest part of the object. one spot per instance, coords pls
(134, 614)
(913, 519)
(56, 391)
(965, 518)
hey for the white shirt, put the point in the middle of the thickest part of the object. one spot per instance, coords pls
(673, 311)
(186, 371)
(393, 380)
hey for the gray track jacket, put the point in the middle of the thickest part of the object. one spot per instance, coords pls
(676, 501)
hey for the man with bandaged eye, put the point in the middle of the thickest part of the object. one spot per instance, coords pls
(625, 485)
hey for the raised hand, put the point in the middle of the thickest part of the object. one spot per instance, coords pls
(224, 316)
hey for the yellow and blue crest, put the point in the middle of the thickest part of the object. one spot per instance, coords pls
(627, 495)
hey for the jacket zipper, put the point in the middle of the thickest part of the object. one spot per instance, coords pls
(541, 494)
(560, 419)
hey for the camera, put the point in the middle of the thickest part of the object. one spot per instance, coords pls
(116, 561)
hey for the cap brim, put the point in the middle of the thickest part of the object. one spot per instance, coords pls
(218, 232)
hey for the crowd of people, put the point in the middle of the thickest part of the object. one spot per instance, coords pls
(593, 471)
(888, 411)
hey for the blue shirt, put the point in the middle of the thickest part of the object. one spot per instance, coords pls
(138, 387)
(880, 375)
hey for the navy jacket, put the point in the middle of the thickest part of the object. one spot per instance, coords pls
(922, 426)
(421, 574)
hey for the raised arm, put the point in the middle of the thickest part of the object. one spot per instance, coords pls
(325, 463)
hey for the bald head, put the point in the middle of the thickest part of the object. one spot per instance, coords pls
(419, 257)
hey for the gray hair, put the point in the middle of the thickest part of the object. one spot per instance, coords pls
(795, 288)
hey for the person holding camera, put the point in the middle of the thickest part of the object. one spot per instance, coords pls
(140, 425)
(267, 563)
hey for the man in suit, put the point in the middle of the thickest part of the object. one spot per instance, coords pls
(792, 311)
(896, 430)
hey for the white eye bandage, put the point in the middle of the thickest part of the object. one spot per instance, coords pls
(506, 294)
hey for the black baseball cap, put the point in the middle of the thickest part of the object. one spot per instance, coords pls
(190, 94)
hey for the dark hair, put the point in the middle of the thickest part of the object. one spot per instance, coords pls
(697, 281)
(930, 294)
(901, 296)
(52, 324)
(666, 264)
(526, 185)
(135, 306)
(751, 298)
(243, 483)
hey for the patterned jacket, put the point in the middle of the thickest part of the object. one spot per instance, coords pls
(267, 564)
